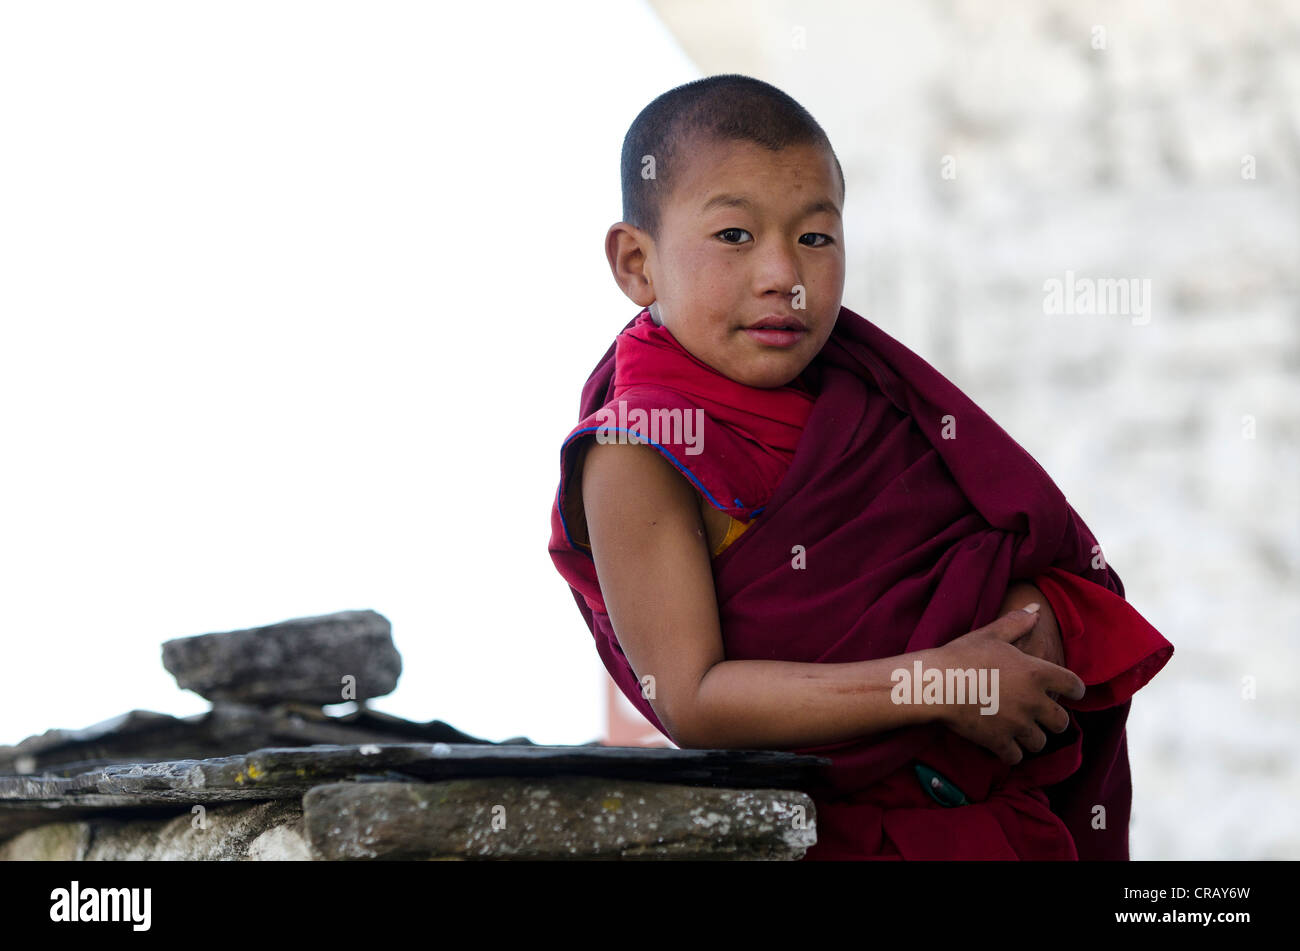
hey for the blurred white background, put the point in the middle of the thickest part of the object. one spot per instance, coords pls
(297, 300)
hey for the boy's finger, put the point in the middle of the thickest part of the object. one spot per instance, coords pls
(1014, 625)
(1077, 688)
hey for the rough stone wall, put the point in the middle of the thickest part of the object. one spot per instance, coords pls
(232, 832)
(493, 818)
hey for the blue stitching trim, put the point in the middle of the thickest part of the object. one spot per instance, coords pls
(668, 455)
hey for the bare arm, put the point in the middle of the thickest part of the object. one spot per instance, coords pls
(652, 560)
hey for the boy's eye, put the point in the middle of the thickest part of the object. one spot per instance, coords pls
(813, 234)
(731, 231)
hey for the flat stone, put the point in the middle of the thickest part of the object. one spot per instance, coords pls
(563, 817)
(228, 729)
(305, 660)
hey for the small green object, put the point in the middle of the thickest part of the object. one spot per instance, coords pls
(941, 790)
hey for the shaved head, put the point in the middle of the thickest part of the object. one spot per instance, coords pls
(726, 108)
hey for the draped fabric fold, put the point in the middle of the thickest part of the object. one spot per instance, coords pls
(890, 515)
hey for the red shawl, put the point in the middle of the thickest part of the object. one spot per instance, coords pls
(915, 538)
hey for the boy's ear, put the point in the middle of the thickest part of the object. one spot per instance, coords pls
(626, 248)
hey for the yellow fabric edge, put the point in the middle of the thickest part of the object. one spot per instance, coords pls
(735, 529)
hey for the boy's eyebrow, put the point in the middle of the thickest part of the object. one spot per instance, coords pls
(740, 201)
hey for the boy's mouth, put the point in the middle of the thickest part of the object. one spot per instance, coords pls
(778, 322)
(777, 330)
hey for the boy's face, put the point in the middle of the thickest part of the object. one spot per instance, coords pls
(748, 233)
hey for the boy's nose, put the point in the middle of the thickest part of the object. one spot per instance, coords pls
(778, 269)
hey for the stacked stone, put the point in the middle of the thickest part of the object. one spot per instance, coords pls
(315, 661)
(361, 790)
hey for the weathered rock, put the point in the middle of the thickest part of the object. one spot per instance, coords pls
(228, 729)
(277, 773)
(284, 773)
(263, 831)
(53, 842)
(563, 817)
(306, 660)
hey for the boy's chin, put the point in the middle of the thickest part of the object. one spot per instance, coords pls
(769, 379)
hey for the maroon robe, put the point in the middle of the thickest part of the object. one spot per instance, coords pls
(910, 540)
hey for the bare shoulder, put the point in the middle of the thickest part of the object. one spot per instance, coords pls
(633, 488)
(637, 476)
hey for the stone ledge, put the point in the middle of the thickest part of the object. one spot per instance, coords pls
(150, 795)
(562, 817)
(512, 818)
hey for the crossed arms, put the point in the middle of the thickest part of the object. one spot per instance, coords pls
(655, 573)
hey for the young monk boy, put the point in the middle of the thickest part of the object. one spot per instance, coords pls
(785, 530)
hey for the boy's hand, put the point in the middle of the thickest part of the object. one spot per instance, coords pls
(1026, 694)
